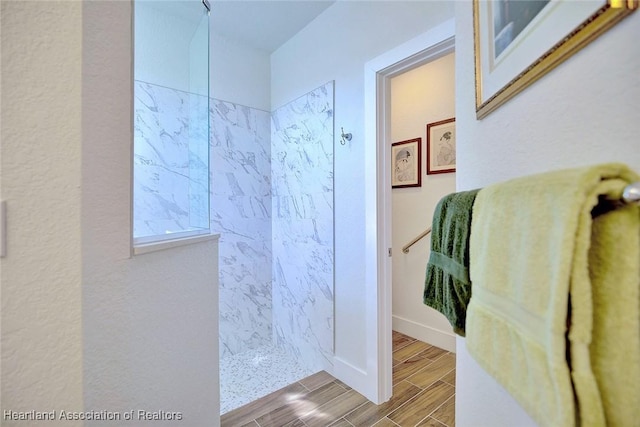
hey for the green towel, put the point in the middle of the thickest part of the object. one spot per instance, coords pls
(555, 311)
(447, 286)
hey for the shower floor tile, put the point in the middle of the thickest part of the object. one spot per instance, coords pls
(250, 375)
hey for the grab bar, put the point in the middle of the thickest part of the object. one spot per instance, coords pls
(405, 249)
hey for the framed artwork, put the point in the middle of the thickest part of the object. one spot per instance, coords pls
(406, 158)
(441, 146)
(519, 41)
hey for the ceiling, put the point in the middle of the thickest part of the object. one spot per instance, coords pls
(263, 24)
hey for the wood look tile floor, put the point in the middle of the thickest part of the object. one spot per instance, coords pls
(424, 381)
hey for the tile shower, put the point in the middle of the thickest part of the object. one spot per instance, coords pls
(272, 203)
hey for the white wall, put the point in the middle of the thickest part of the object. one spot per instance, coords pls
(240, 74)
(336, 46)
(41, 180)
(423, 95)
(150, 333)
(583, 112)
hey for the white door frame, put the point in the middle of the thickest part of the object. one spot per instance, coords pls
(427, 47)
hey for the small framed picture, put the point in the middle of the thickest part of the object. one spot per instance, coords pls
(406, 159)
(441, 146)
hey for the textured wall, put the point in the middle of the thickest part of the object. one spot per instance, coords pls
(583, 112)
(241, 213)
(41, 355)
(149, 322)
(302, 207)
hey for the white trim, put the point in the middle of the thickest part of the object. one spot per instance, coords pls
(144, 240)
(351, 375)
(427, 47)
(167, 244)
(444, 340)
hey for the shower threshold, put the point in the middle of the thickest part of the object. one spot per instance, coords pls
(250, 375)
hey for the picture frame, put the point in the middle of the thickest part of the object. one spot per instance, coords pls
(441, 146)
(518, 41)
(406, 163)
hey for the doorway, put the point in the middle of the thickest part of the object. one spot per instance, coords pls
(428, 47)
(419, 98)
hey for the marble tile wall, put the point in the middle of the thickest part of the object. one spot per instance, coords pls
(241, 213)
(170, 160)
(302, 227)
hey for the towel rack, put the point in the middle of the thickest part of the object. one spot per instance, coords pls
(631, 194)
(405, 249)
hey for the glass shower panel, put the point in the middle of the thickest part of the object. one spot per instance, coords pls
(171, 123)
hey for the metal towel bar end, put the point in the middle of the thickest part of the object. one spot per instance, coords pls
(631, 193)
(406, 247)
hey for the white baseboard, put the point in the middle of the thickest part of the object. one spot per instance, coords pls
(425, 333)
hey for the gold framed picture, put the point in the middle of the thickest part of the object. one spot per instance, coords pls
(519, 41)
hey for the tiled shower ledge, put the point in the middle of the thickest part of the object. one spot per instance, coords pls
(167, 244)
